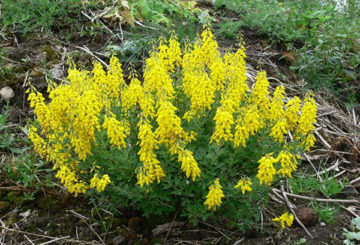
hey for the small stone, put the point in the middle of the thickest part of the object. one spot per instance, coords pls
(307, 216)
(57, 71)
(7, 93)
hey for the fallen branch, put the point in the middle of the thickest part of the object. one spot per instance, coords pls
(319, 199)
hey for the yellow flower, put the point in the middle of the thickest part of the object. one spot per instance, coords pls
(114, 79)
(98, 183)
(130, 96)
(151, 169)
(117, 131)
(266, 169)
(40, 109)
(285, 218)
(307, 117)
(68, 177)
(157, 79)
(309, 141)
(224, 120)
(213, 198)
(188, 163)
(288, 163)
(248, 123)
(170, 54)
(39, 143)
(85, 119)
(169, 129)
(244, 184)
(277, 104)
(278, 130)
(291, 113)
(260, 93)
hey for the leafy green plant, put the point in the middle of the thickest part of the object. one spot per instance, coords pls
(304, 184)
(354, 235)
(329, 186)
(230, 29)
(327, 213)
(29, 171)
(169, 143)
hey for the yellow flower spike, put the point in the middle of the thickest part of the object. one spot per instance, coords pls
(306, 125)
(247, 124)
(114, 79)
(260, 93)
(213, 198)
(98, 183)
(291, 112)
(285, 218)
(188, 163)
(40, 109)
(266, 170)
(171, 54)
(288, 163)
(277, 104)
(117, 131)
(307, 117)
(39, 143)
(157, 79)
(169, 129)
(278, 130)
(244, 184)
(151, 169)
(224, 121)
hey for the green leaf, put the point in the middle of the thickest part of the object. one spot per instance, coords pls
(356, 222)
(19, 150)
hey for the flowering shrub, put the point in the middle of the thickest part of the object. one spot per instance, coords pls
(191, 136)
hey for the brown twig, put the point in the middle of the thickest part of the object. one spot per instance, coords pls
(319, 199)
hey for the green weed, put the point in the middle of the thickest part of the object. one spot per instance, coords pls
(230, 29)
(329, 186)
(327, 213)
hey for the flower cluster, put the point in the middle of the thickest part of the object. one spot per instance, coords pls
(213, 198)
(285, 218)
(158, 116)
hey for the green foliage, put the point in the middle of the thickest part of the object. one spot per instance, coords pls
(30, 15)
(25, 169)
(21, 165)
(353, 235)
(8, 141)
(230, 29)
(330, 186)
(301, 184)
(327, 213)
